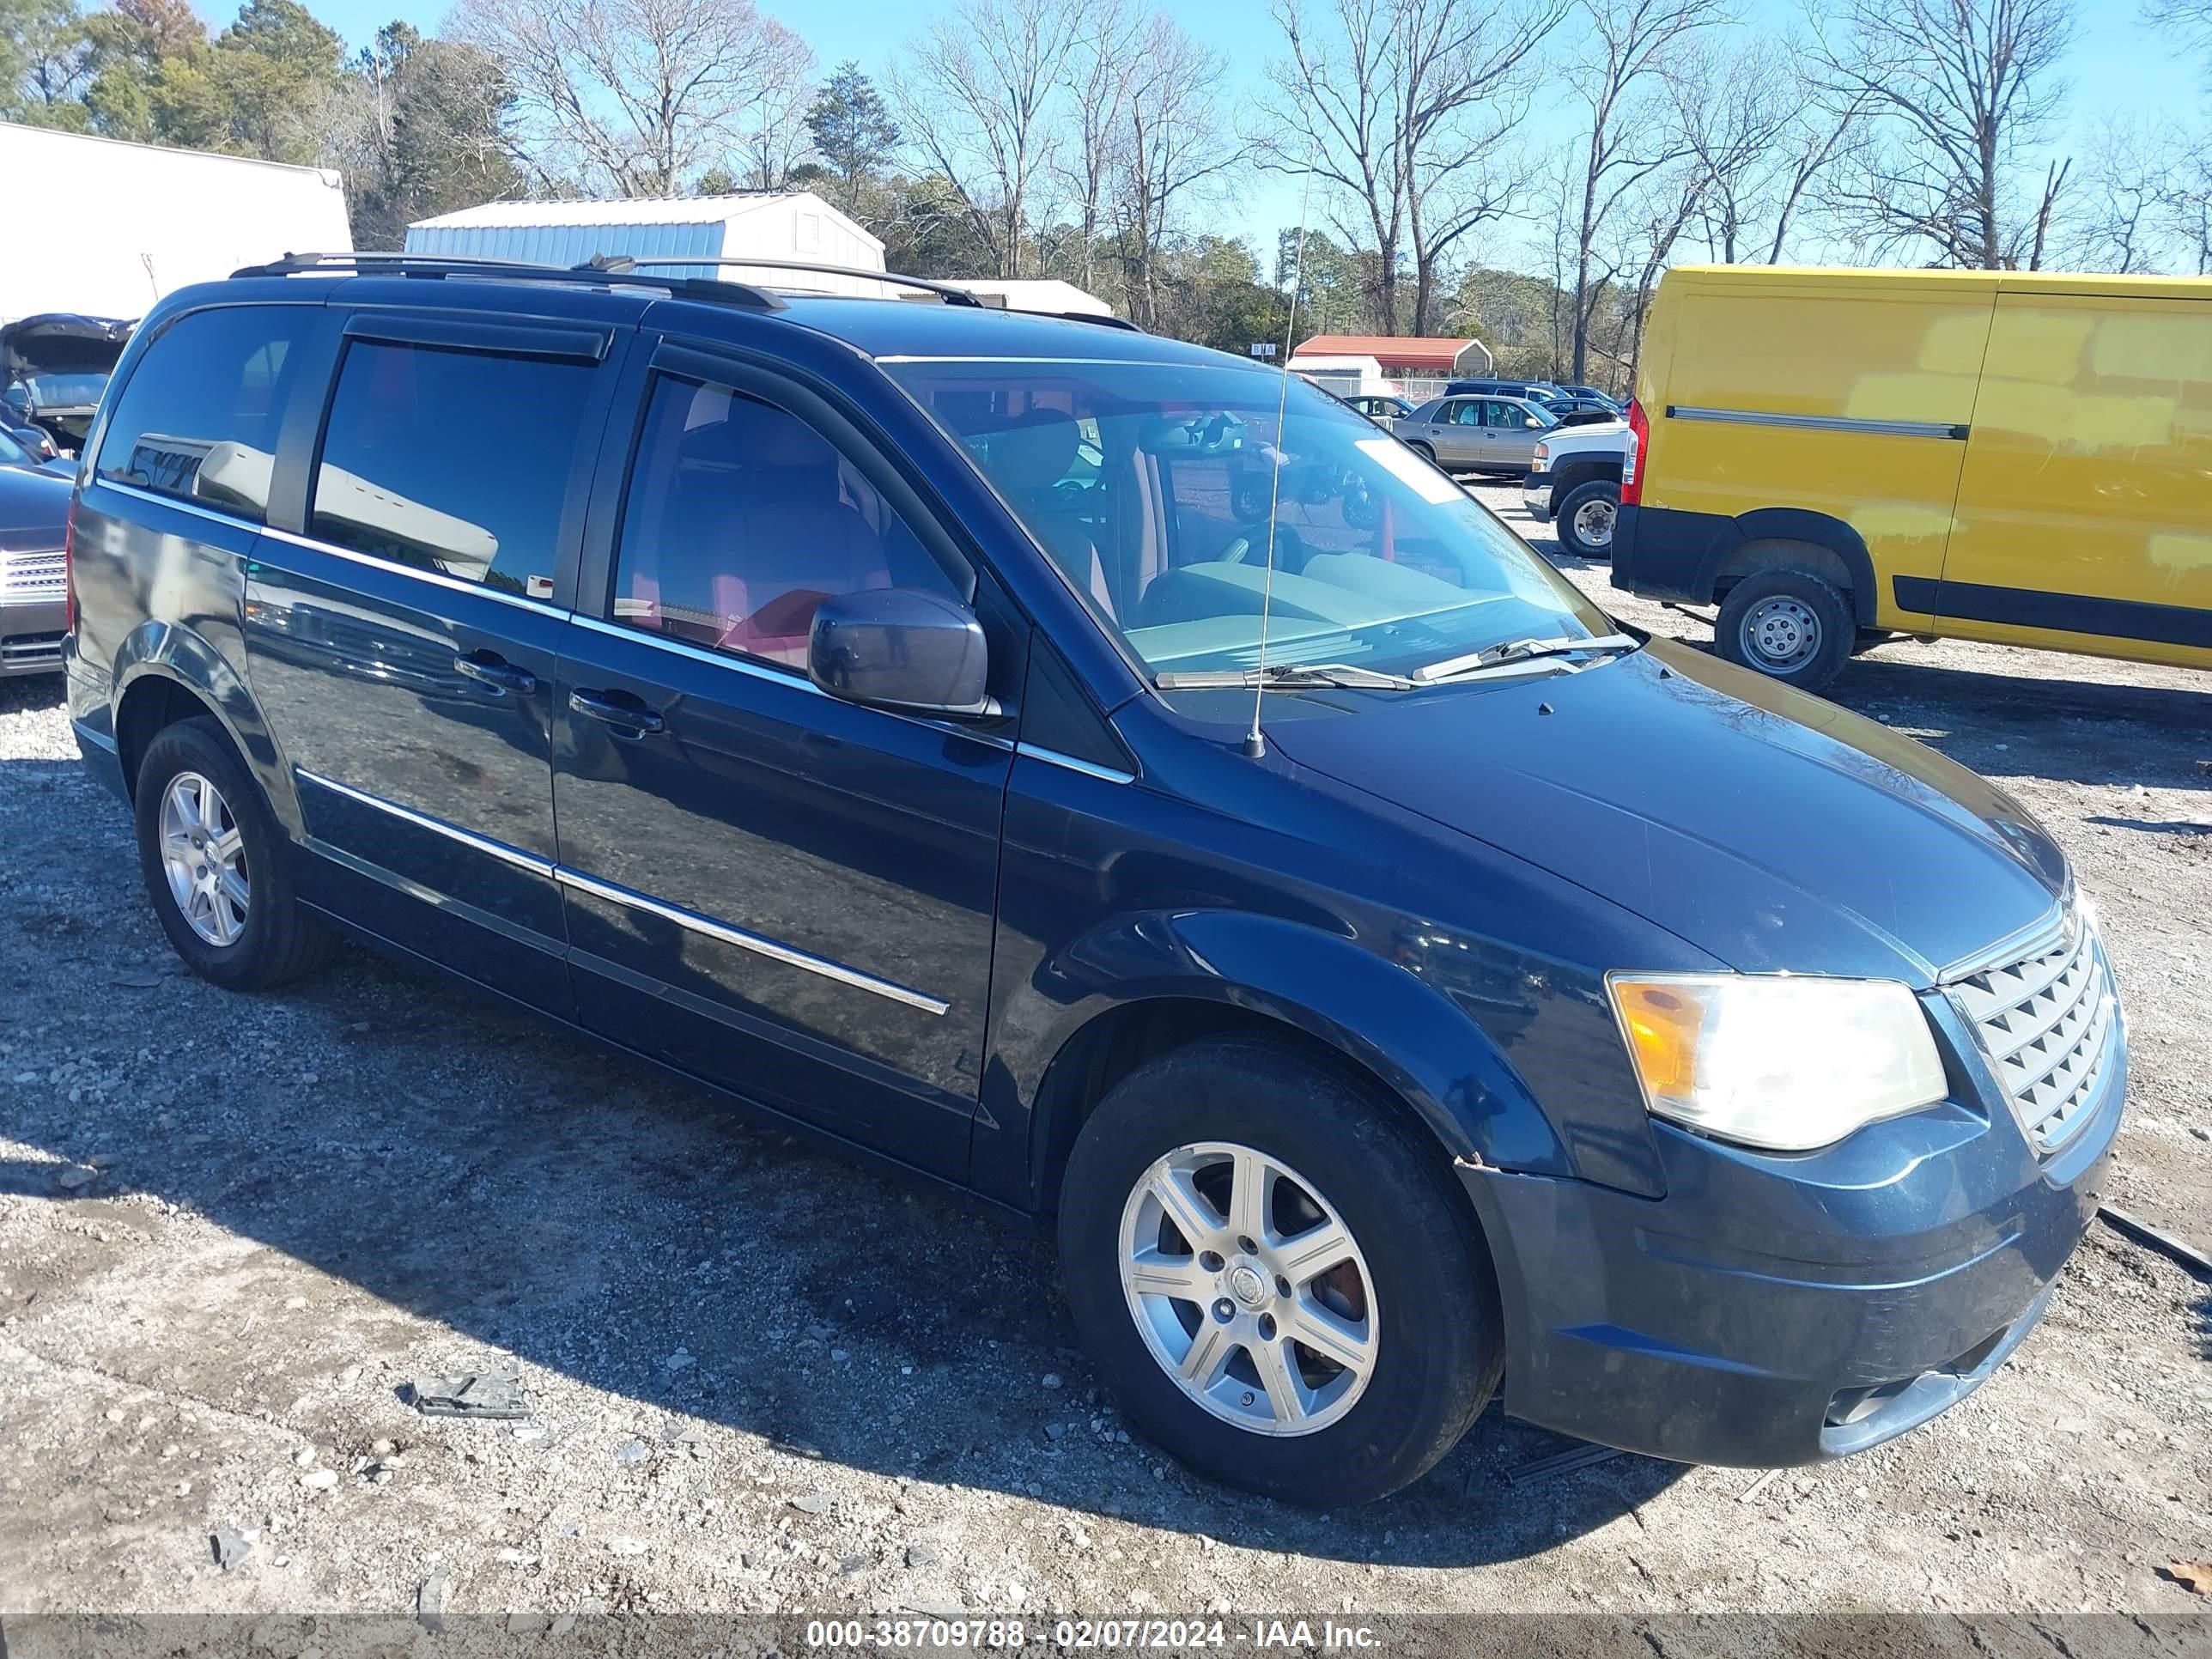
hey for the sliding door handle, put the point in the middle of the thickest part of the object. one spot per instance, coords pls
(489, 668)
(619, 710)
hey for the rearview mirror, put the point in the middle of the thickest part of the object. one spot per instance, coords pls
(901, 647)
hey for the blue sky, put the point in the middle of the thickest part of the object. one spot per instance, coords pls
(2117, 67)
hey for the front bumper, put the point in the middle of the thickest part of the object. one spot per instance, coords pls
(1536, 496)
(1774, 1310)
(31, 635)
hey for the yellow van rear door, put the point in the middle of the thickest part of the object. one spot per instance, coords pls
(2084, 520)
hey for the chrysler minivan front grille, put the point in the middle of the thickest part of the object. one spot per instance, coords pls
(2046, 1022)
(33, 575)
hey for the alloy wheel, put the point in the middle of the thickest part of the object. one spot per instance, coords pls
(204, 857)
(1249, 1289)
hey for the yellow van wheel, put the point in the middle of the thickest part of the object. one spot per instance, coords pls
(1790, 625)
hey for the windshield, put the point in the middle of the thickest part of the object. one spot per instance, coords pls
(57, 390)
(1149, 484)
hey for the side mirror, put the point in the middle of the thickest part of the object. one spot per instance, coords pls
(901, 647)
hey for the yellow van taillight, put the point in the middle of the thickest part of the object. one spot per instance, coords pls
(1632, 471)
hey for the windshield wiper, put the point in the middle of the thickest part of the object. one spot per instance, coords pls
(1285, 677)
(1517, 651)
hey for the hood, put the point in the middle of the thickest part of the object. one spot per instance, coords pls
(34, 507)
(1603, 432)
(61, 343)
(1774, 831)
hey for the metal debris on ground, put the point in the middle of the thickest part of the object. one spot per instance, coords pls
(1750, 1493)
(2165, 1243)
(1565, 1462)
(230, 1549)
(479, 1394)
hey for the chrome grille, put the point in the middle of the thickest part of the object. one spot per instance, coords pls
(33, 575)
(2046, 1024)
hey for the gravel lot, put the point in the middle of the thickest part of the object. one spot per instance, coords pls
(760, 1381)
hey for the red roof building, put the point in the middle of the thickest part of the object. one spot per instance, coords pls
(1400, 354)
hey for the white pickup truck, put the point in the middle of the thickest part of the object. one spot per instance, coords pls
(1574, 482)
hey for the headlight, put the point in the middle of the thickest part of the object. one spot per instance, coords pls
(1784, 1064)
(1543, 458)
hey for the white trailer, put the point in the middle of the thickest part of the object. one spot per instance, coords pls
(105, 229)
(757, 226)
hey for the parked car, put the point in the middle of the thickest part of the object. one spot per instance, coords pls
(1833, 457)
(1420, 1009)
(34, 507)
(54, 368)
(1534, 390)
(1385, 412)
(1477, 435)
(27, 435)
(1574, 477)
(1592, 395)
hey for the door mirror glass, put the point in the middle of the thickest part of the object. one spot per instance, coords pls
(900, 648)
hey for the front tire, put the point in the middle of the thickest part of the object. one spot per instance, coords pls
(218, 865)
(1275, 1276)
(1790, 625)
(1422, 450)
(1585, 519)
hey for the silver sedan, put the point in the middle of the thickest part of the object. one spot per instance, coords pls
(1477, 434)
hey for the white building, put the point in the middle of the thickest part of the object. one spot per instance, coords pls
(1047, 295)
(758, 225)
(104, 227)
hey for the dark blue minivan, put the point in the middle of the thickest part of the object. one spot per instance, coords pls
(1116, 779)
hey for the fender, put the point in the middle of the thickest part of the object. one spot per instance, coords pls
(1793, 524)
(1388, 1021)
(169, 651)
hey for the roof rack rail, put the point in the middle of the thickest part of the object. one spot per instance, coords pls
(951, 293)
(948, 292)
(599, 273)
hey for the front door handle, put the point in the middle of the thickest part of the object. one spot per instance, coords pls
(489, 668)
(617, 709)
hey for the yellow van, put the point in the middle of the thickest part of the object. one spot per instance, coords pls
(1834, 456)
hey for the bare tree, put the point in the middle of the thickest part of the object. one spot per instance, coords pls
(1960, 91)
(1631, 134)
(1097, 78)
(1401, 110)
(975, 95)
(636, 96)
(773, 137)
(1171, 142)
(2133, 172)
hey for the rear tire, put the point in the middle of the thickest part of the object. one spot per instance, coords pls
(1586, 518)
(218, 865)
(1790, 625)
(1406, 1294)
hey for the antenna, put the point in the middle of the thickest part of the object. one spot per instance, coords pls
(1255, 742)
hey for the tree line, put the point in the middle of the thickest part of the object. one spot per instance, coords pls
(1523, 170)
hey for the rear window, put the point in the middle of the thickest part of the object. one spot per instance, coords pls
(451, 461)
(198, 419)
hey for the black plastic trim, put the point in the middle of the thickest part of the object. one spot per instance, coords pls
(2066, 613)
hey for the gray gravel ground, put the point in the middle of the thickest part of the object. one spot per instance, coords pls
(233, 1229)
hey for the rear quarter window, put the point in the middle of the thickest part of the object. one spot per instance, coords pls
(453, 461)
(198, 419)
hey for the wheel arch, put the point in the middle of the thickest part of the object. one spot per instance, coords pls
(1576, 471)
(1221, 973)
(1767, 539)
(164, 673)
